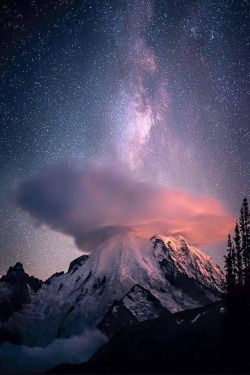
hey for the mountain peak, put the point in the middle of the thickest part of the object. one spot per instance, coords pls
(16, 288)
(18, 267)
(16, 275)
(78, 262)
(166, 239)
(190, 260)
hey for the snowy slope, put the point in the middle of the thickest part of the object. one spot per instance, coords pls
(137, 305)
(177, 274)
(189, 260)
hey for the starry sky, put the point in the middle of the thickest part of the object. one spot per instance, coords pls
(160, 88)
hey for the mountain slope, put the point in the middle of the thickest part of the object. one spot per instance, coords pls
(212, 339)
(188, 259)
(137, 305)
(175, 274)
(185, 342)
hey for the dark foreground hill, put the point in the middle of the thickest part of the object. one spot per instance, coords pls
(185, 342)
(193, 341)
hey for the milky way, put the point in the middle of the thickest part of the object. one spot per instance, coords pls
(158, 88)
(136, 110)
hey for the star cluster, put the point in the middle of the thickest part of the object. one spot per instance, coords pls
(159, 86)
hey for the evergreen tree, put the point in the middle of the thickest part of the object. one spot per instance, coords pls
(245, 232)
(234, 268)
(238, 255)
(236, 323)
(237, 260)
(229, 266)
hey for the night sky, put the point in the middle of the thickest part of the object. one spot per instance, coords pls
(157, 88)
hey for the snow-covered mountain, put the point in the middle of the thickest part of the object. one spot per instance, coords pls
(146, 277)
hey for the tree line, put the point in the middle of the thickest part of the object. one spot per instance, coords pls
(237, 259)
(234, 352)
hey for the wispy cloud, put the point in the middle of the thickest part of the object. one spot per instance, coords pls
(77, 349)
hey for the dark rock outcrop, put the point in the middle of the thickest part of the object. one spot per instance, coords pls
(15, 289)
(137, 305)
(78, 262)
(51, 278)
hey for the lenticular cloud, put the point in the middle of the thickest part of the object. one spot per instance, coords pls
(93, 202)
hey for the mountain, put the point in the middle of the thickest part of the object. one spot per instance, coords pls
(78, 262)
(212, 339)
(126, 274)
(16, 288)
(137, 305)
(185, 342)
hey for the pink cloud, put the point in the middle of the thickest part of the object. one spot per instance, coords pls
(92, 202)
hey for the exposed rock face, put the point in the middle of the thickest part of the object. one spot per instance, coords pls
(16, 288)
(137, 305)
(16, 276)
(51, 278)
(78, 262)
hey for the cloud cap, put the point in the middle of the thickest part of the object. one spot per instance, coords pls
(92, 202)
